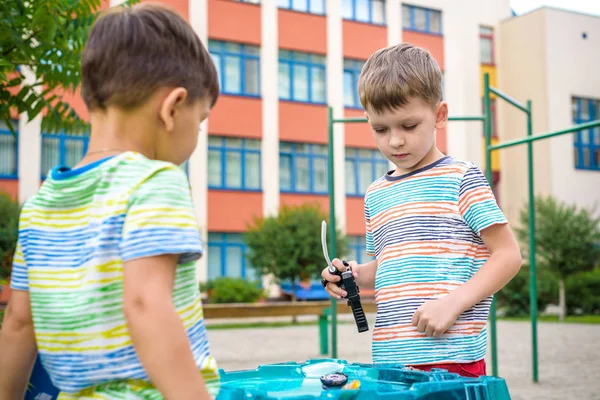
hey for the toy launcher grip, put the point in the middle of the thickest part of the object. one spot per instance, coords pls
(349, 285)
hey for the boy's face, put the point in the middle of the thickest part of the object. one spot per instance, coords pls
(406, 135)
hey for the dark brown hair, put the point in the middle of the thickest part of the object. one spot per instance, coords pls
(133, 51)
(395, 74)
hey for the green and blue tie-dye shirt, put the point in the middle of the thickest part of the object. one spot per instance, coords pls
(74, 237)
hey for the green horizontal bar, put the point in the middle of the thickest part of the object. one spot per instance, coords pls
(509, 99)
(361, 119)
(516, 142)
(478, 118)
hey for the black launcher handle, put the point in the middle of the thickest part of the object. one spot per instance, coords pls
(348, 283)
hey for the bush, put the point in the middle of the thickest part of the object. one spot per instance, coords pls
(583, 292)
(9, 232)
(232, 290)
(514, 297)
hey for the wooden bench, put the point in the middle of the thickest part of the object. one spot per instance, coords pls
(286, 309)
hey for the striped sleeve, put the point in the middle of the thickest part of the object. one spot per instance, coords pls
(370, 246)
(476, 202)
(19, 279)
(161, 219)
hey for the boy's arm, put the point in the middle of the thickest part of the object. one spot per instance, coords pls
(17, 347)
(156, 329)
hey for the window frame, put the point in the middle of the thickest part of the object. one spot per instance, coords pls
(370, 19)
(375, 159)
(223, 243)
(489, 36)
(358, 244)
(291, 62)
(62, 151)
(217, 47)
(355, 71)
(290, 7)
(15, 136)
(311, 156)
(578, 144)
(427, 29)
(242, 150)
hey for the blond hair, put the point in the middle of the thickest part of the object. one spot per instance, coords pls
(395, 74)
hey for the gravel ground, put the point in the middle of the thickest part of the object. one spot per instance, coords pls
(569, 354)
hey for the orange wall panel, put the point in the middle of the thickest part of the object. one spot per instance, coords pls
(358, 134)
(362, 40)
(232, 211)
(302, 32)
(433, 43)
(75, 100)
(236, 116)
(10, 187)
(181, 6)
(355, 216)
(292, 199)
(234, 21)
(302, 122)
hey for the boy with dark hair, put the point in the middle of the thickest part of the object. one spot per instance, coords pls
(442, 244)
(104, 272)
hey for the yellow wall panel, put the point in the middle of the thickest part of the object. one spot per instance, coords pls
(491, 69)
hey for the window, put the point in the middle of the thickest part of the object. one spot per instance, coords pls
(421, 19)
(308, 6)
(9, 164)
(227, 257)
(352, 70)
(238, 67)
(357, 246)
(233, 163)
(363, 167)
(371, 11)
(61, 149)
(303, 168)
(486, 44)
(301, 77)
(587, 143)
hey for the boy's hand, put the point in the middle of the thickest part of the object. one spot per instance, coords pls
(332, 288)
(434, 317)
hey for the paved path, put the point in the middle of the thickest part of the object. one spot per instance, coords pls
(569, 354)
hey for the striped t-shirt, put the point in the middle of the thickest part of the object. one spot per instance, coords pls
(74, 236)
(424, 229)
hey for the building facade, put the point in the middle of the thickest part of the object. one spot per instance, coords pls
(281, 63)
(548, 57)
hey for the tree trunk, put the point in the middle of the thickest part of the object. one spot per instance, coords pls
(562, 303)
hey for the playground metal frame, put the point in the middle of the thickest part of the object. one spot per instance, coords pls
(486, 118)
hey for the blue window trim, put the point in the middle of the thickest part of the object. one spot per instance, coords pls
(370, 19)
(577, 138)
(291, 61)
(427, 20)
(355, 71)
(217, 47)
(359, 245)
(222, 243)
(290, 6)
(375, 159)
(311, 156)
(63, 138)
(242, 151)
(15, 175)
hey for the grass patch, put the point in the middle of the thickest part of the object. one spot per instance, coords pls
(570, 319)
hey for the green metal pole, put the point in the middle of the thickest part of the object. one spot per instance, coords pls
(487, 113)
(332, 226)
(532, 246)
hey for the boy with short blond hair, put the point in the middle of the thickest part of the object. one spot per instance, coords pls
(442, 245)
(104, 274)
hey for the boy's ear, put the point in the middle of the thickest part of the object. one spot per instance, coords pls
(441, 115)
(170, 106)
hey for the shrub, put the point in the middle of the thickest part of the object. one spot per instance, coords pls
(232, 290)
(9, 232)
(583, 292)
(514, 297)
